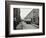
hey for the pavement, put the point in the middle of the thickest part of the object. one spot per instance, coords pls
(23, 25)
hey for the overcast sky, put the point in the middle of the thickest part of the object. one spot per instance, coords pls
(24, 12)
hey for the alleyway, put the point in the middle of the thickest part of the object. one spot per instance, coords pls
(23, 25)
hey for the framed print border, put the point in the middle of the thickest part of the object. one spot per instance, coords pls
(7, 16)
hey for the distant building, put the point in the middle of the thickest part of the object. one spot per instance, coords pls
(16, 17)
(17, 14)
(33, 16)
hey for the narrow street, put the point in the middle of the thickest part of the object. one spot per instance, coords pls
(23, 25)
(29, 26)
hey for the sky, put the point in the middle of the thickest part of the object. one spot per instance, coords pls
(24, 12)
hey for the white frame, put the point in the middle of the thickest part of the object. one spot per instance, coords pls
(25, 31)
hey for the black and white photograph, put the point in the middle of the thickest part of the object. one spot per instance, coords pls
(24, 18)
